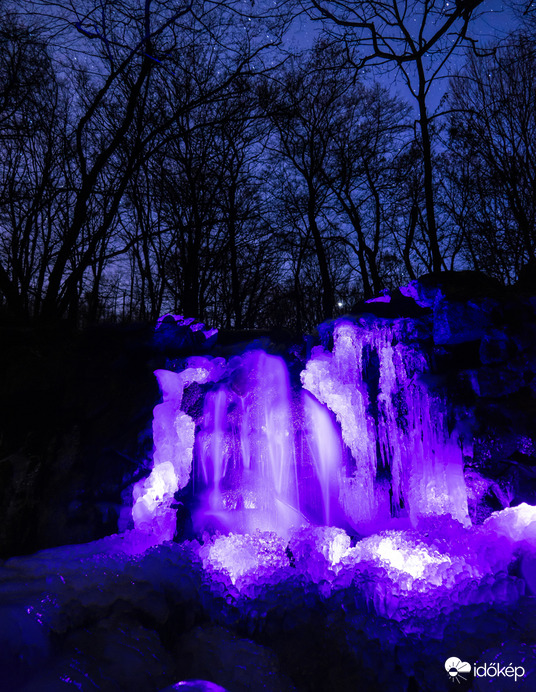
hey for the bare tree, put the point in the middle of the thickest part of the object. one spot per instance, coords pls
(414, 38)
(361, 170)
(128, 55)
(492, 158)
(337, 144)
(303, 108)
(34, 182)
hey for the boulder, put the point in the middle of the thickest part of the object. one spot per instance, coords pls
(456, 322)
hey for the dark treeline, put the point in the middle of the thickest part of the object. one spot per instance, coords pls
(167, 157)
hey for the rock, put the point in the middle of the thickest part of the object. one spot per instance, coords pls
(392, 305)
(498, 382)
(456, 322)
(215, 654)
(421, 293)
(183, 335)
(496, 347)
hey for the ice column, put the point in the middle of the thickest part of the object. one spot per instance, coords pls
(336, 380)
(173, 438)
(426, 462)
(325, 446)
(404, 429)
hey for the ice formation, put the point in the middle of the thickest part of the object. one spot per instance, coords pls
(405, 457)
(396, 604)
(246, 475)
(326, 450)
(331, 518)
(173, 436)
(363, 442)
(195, 686)
(190, 322)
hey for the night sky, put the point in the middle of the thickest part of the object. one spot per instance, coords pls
(496, 21)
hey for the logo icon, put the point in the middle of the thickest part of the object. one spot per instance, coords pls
(455, 667)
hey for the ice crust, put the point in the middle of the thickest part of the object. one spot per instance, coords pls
(439, 582)
(418, 566)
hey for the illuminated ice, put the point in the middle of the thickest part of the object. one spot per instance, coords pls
(407, 462)
(403, 595)
(363, 443)
(266, 462)
(181, 321)
(405, 557)
(516, 523)
(173, 440)
(336, 380)
(316, 549)
(195, 686)
(245, 449)
(325, 445)
(252, 554)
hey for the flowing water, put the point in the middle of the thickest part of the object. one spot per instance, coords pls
(361, 442)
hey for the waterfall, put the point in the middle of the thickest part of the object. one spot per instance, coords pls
(364, 440)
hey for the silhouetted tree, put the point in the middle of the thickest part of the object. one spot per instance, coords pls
(303, 109)
(414, 39)
(362, 172)
(492, 160)
(35, 188)
(126, 56)
(336, 147)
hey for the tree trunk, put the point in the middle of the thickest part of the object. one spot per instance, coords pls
(437, 260)
(327, 288)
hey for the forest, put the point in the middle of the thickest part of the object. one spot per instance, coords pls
(258, 163)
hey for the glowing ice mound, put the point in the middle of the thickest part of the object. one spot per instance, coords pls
(316, 549)
(407, 562)
(517, 523)
(396, 574)
(238, 555)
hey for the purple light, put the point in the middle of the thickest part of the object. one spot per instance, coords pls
(409, 435)
(379, 299)
(245, 449)
(178, 319)
(266, 458)
(173, 437)
(325, 446)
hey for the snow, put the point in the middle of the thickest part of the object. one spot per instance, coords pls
(440, 582)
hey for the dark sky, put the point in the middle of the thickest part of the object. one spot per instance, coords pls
(496, 20)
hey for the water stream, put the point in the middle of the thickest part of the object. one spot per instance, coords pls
(362, 442)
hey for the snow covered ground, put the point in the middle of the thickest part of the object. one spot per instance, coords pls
(320, 611)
